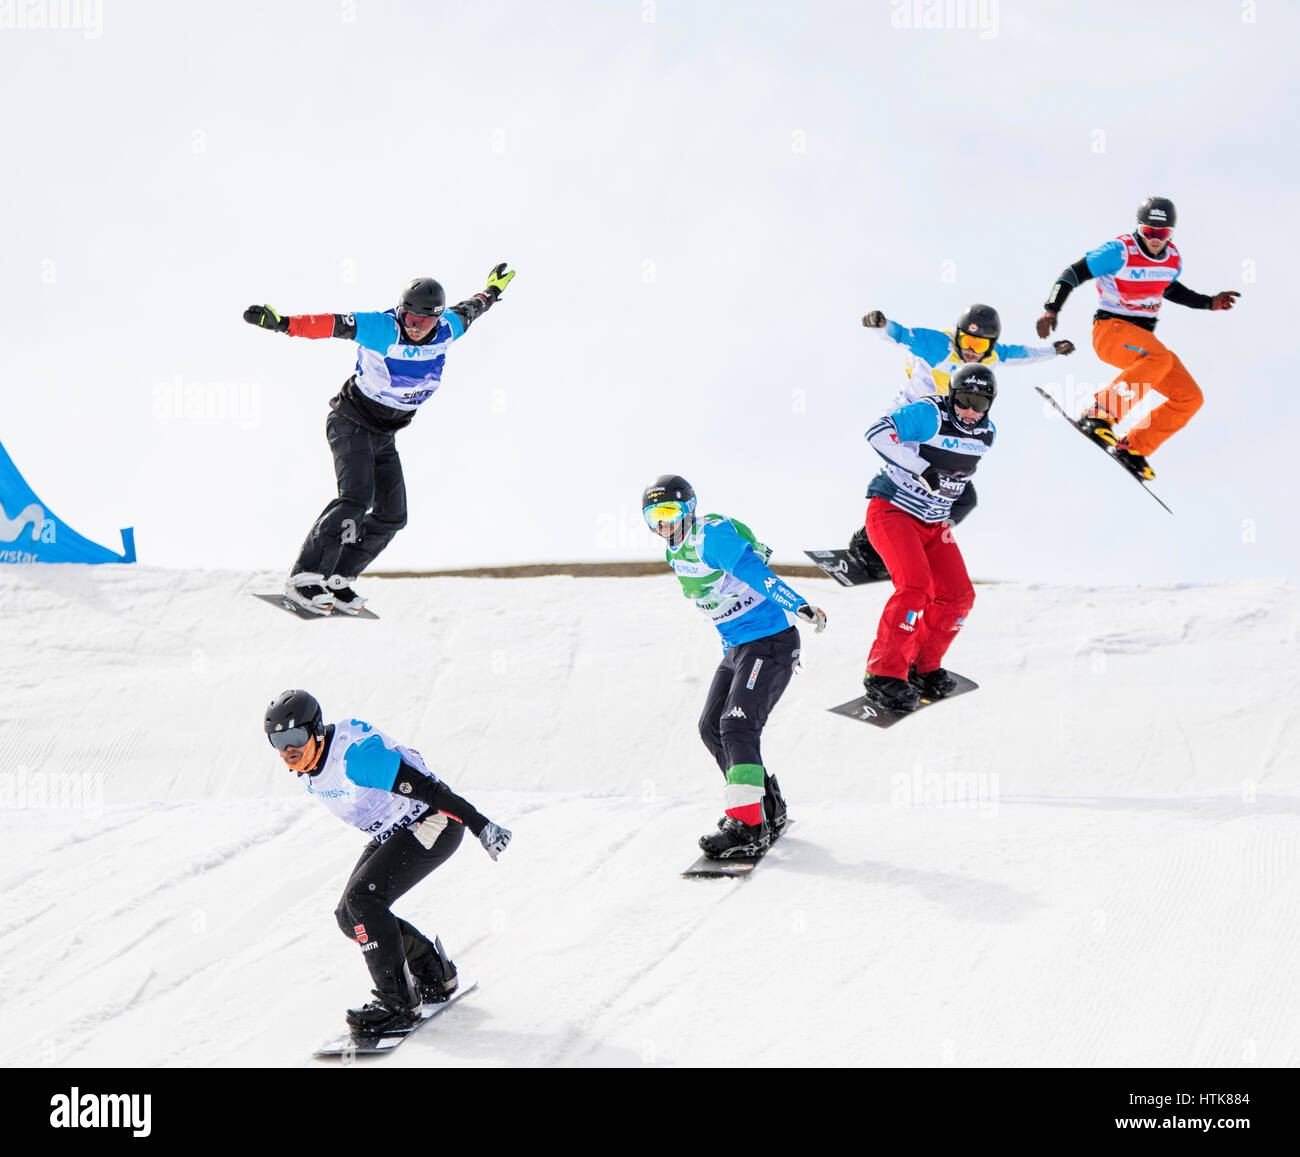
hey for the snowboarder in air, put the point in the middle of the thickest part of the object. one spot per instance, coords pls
(415, 822)
(399, 368)
(723, 569)
(933, 356)
(1135, 273)
(931, 447)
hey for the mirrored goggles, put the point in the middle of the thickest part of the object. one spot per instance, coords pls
(968, 341)
(669, 512)
(290, 737)
(408, 318)
(1155, 232)
(978, 402)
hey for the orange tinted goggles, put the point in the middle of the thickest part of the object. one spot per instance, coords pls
(968, 341)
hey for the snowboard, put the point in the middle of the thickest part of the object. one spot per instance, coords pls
(865, 711)
(1109, 450)
(842, 568)
(352, 1043)
(293, 608)
(738, 866)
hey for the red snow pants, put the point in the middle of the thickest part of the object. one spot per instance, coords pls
(932, 591)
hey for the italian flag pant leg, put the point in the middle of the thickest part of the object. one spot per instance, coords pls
(744, 793)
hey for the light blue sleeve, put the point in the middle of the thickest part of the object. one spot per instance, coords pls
(722, 548)
(1105, 259)
(931, 345)
(916, 422)
(375, 331)
(371, 764)
(1011, 354)
(453, 319)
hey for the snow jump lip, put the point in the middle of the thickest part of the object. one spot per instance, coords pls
(49, 539)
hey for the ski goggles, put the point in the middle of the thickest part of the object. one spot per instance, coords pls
(977, 402)
(669, 512)
(968, 341)
(1155, 232)
(289, 737)
(406, 317)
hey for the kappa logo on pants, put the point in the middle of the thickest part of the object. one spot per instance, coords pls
(736, 713)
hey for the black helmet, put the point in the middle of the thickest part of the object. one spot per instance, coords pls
(293, 719)
(978, 321)
(668, 488)
(974, 383)
(423, 297)
(1158, 211)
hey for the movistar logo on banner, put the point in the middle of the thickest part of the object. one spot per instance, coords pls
(31, 532)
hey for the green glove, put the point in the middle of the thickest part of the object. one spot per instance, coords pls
(264, 317)
(498, 279)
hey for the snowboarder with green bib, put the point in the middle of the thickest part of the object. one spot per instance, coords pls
(723, 569)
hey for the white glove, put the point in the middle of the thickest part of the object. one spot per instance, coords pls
(494, 839)
(815, 615)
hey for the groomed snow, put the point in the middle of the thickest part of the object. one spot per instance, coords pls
(1093, 860)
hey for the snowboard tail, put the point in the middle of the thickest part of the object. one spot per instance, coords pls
(294, 609)
(865, 711)
(839, 565)
(733, 867)
(1110, 451)
(355, 1043)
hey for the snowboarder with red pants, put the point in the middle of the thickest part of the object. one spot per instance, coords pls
(931, 448)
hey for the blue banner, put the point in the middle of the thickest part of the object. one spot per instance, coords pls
(31, 532)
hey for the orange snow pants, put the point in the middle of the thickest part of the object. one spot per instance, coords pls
(1144, 364)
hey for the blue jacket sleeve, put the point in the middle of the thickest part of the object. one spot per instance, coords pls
(916, 422)
(722, 547)
(375, 331)
(1105, 259)
(931, 345)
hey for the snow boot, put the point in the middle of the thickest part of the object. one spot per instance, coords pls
(863, 554)
(934, 684)
(434, 975)
(387, 1013)
(891, 693)
(308, 590)
(1096, 423)
(345, 598)
(736, 839)
(774, 809)
(1135, 462)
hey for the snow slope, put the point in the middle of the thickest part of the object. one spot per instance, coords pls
(1094, 860)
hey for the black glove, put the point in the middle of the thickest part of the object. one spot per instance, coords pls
(1046, 323)
(874, 320)
(1224, 300)
(1063, 347)
(930, 479)
(264, 317)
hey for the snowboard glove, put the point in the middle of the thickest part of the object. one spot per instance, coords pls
(929, 478)
(1224, 300)
(264, 317)
(1046, 323)
(874, 320)
(499, 278)
(814, 615)
(494, 839)
(1063, 347)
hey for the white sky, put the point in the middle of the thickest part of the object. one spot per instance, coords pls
(701, 199)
